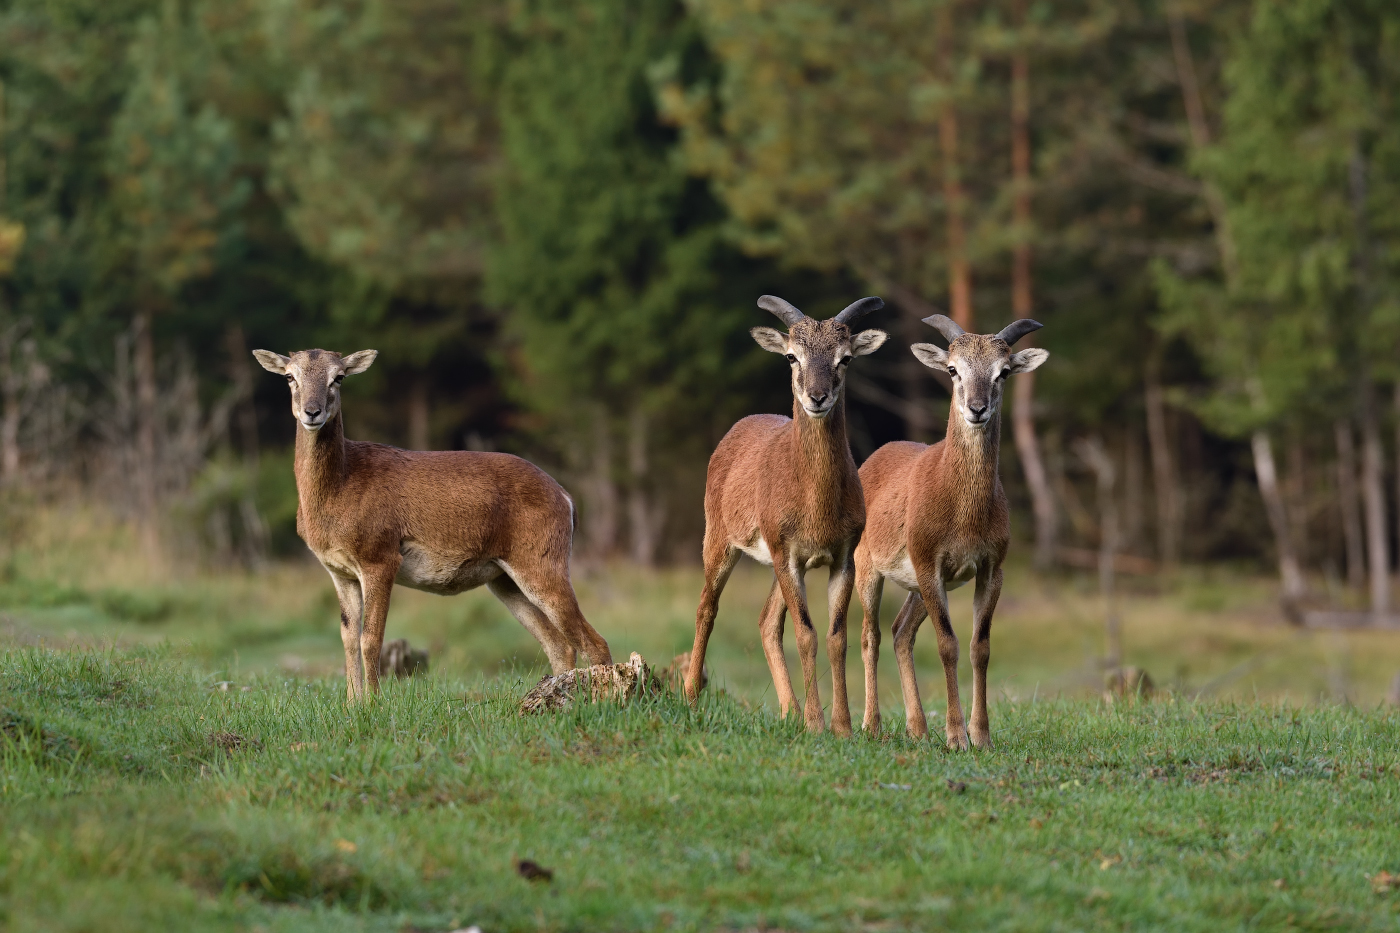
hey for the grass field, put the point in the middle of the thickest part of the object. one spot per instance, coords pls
(139, 796)
(176, 753)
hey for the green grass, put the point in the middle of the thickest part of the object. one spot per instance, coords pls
(136, 794)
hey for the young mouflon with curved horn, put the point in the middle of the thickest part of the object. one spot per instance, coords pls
(439, 521)
(786, 492)
(936, 518)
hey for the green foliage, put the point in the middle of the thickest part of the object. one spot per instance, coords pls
(610, 257)
(1309, 306)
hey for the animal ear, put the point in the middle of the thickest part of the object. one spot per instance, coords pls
(272, 362)
(932, 356)
(867, 342)
(1027, 360)
(357, 363)
(769, 339)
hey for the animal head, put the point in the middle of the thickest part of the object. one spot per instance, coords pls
(979, 364)
(314, 377)
(818, 351)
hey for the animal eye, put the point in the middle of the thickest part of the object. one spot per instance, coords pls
(845, 360)
(291, 380)
(952, 372)
(791, 358)
(339, 379)
(1003, 374)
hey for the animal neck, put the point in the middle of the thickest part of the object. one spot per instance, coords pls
(972, 455)
(823, 453)
(320, 460)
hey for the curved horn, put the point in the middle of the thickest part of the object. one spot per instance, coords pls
(945, 326)
(857, 310)
(1017, 329)
(785, 311)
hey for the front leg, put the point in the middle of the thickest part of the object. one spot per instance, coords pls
(352, 607)
(377, 582)
(790, 581)
(984, 603)
(936, 598)
(870, 587)
(838, 598)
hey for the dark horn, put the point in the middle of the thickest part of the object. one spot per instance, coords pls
(785, 311)
(858, 309)
(945, 325)
(1017, 329)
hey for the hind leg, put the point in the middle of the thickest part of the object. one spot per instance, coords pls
(870, 587)
(556, 647)
(548, 588)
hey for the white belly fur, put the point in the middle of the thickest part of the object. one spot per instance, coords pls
(903, 574)
(426, 570)
(758, 550)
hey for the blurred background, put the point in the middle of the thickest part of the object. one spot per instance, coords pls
(552, 219)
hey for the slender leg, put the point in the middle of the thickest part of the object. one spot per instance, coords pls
(870, 587)
(720, 559)
(557, 647)
(795, 595)
(838, 597)
(352, 607)
(548, 588)
(377, 583)
(956, 726)
(984, 603)
(906, 625)
(770, 630)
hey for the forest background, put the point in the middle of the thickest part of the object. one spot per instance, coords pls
(552, 219)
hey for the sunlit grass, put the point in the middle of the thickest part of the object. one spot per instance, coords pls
(136, 793)
(79, 578)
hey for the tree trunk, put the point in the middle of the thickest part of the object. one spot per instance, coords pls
(1372, 454)
(913, 381)
(12, 388)
(1350, 505)
(1098, 460)
(147, 465)
(1164, 484)
(255, 532)
(418, 438)
(602, 515)
(1037, 479)
(643, 519)
(959, 275)
(1199, 129)
(1397, 454)
(241, 375)
(1373, 493)
(1022, 305)
(1296, 498)
(1294, 587)
(1132, 491)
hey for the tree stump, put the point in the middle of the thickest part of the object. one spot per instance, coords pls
(616, 682)
(400, 659)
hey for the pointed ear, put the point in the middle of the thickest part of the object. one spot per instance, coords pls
(934, 357)
(867, 342)
(1027, 360)
(769, 339)
(357, 363)
(272, 362)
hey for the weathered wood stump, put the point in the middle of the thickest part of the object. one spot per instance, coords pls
(400, 659)
(616, 682)
(673, 677)
(1128, 683)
